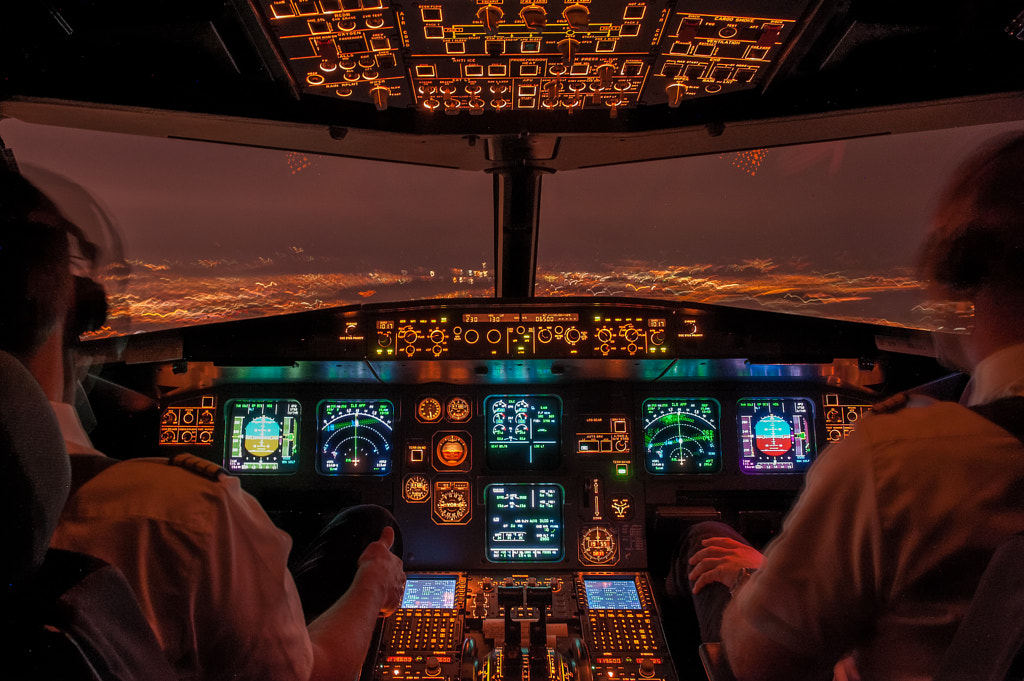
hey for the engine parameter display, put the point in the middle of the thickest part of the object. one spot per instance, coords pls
(776, 434)
(524, 522)
(681, 435)
(354, 437)
(611, 594)
(523, 432)
(262, 436)
(434, 592)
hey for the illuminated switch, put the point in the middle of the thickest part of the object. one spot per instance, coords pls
(604, 46)
(455, 48)
(497, 70)
(319, 26)
(425, 71)
(282, 8)
(386, 60)
(579, 69)
(770, 36)
(380, 44)
(473, 70)
(304, 7)
(688, 30)
(704, 50)
(622, 469)
(721, 72)
(327, 49)
(693, 72)
(431, 13)
(350, 5)
(331, 6)
(745, 75)
(527, 90)
(629, 30)
(433, 32)
(679, 48)
(634, 12)
(632, 69)
(529, 70)
(494, 47)
(756, 52)
(527, 103)
(372, 4)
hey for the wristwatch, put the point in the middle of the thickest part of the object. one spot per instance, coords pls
(741, 578)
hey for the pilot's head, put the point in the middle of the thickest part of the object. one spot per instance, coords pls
(43, 257)
(977, 238)
(975, 251)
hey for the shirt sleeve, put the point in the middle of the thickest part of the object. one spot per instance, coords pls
(816, 593)
(248, 617)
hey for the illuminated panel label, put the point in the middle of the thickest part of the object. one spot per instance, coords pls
(524, 522)
(681, 435)
(523, 432)
(263, 436)
(612, 594)
(776, 434)
(355, 437)
(429, 593)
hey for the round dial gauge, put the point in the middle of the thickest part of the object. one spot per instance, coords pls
(458, 409)
(416, 488)
(428, 410)
(452, 506)
(598, 546)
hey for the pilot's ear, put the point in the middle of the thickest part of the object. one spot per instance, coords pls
(89, 311)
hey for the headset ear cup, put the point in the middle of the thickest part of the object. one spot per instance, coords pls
(90, 306)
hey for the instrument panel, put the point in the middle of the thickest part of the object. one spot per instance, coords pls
(539, 476)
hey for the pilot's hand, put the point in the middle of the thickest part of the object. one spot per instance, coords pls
(720, 560)
(385, 570)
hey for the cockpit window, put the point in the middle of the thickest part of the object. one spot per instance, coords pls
(827, 229)
(214, 232)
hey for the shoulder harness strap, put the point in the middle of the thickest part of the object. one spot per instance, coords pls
(194, 464)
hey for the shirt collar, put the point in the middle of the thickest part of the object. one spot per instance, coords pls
(75, 438)
(1001, 374)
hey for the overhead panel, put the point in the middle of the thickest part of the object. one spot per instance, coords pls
(457, 57)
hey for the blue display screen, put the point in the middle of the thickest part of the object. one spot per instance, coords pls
(612, 594)
(430, 592)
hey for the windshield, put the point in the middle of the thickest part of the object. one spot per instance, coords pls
(212, 232)
(827, 229)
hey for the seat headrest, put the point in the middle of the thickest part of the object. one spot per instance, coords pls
(35, 472)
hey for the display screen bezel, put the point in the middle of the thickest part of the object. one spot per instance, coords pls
(529, 452)
(749, 452)
(601, 594)
(443, 600)
(708, 463)
(322, 436)
(287, 459)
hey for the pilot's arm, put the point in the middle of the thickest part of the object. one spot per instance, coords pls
(813, 597)
(341, 635)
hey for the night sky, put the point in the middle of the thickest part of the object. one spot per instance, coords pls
(221, 217)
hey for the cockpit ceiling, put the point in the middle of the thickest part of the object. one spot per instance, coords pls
(504, 67)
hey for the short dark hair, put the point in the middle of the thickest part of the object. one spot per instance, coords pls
(35, 276)
(977, 237)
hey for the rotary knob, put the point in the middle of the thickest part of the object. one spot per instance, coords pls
(491, 16)
(577, 16)
(534, 17)
(569, 48)
(380, 97)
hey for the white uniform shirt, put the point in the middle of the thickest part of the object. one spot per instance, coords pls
(207, 564)
(885, 546)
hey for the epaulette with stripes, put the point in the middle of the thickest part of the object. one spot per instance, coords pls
(197, 465)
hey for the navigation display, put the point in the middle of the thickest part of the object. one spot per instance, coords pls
(262, 436)
(430, 592)
(776, 434)
(681, 435)
(354, 437)
(611, 594)
(524, 522)
(523, 432)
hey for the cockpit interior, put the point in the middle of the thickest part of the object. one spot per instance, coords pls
(331, 272)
